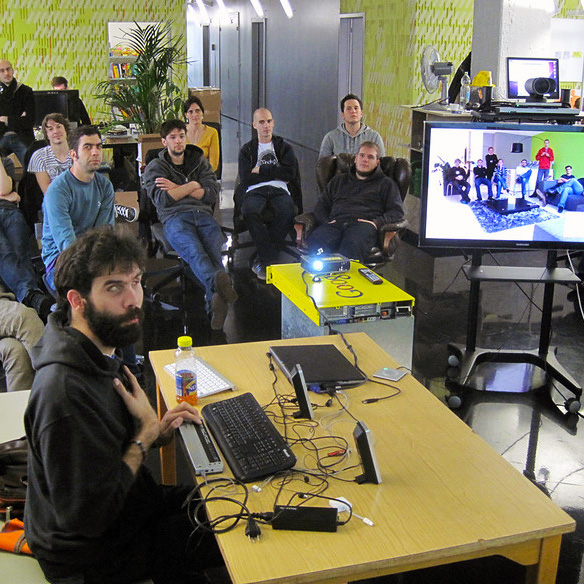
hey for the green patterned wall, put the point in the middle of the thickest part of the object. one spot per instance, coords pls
(396, 32)
(69, 38)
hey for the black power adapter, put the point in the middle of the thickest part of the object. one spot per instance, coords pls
(304, 518)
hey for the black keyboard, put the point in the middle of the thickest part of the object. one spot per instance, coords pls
(249, 441)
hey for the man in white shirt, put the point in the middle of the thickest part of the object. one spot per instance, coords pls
(49, 162)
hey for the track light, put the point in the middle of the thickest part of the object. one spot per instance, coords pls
(257, 7)
(287, 8)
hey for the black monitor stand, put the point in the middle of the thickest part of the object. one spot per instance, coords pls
(469, 355)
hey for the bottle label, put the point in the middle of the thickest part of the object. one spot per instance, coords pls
(186, 383)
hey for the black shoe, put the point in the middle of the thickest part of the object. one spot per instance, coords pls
(128, 213)
(219, 310)
(40, 302)
(224, 286)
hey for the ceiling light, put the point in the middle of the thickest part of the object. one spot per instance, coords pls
(203, 12)
(287, 8)
(257, 7)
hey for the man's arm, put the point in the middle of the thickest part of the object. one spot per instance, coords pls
(393, 211)
(6, 176)
(285, 168)
(106, 214)
(326, 146)
(56, 205)
(324, 205)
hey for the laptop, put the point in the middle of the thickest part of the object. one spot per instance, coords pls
(322, 365)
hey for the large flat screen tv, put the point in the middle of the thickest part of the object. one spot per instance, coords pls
(520, 69)
(512, 221)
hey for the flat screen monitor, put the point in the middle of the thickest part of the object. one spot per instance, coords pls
(511, 222)
(520, 69)
(52, 101)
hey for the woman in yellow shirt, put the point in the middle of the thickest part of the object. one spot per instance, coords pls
(198, 133)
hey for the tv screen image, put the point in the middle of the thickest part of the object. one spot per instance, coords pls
(512, 222)
(520, 69)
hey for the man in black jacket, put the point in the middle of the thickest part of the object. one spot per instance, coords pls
(94, 513)
(16, 112)
(353, 206)
(183, 188)
(269, 177)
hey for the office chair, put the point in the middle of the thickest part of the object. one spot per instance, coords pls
(240, 226)
(398, 169)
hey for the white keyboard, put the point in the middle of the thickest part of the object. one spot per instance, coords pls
(209, 380)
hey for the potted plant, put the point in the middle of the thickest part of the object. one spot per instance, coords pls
(149, 96)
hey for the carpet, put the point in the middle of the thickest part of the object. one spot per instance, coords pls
(492, 222)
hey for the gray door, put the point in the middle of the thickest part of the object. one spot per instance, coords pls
(230, 68)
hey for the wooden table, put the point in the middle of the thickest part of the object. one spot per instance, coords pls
(446, 495)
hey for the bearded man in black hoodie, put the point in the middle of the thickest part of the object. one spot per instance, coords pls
(94, 513)
(353, 206)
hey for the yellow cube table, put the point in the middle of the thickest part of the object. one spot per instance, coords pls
(349, 303)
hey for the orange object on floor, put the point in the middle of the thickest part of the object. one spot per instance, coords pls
(12, 538)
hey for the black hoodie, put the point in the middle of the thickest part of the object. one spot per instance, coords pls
(83, 501)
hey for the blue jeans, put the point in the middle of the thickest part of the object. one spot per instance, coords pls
(566, 189)
(353, 239)
(524, 180)
(483, 181)
(16, 269)
(268, 237)
(14, 144)
(198, 239)
(542, 174)
(501, 184)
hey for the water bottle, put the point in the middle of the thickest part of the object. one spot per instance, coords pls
(186, 371)
(464, 90)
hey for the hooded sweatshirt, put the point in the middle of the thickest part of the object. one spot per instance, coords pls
(348, 198)
(83, 502)
(339, 140)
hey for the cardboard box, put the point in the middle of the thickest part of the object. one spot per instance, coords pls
(147, 142)
(211, 98)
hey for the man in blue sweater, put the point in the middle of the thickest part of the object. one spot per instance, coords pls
(77, 200)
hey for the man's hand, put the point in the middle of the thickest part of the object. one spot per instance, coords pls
(174, 418)
(13, 197)
(255, 170)
(139, 406)
(367, 221)
(165, 184)
(4, 119)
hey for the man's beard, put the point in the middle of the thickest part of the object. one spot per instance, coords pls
(110, 329)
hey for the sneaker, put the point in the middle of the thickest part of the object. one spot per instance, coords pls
(40, 302)
(218, 312)
(560, 209)
(259, 270)
(224, 286)
(464, 201)
(128, 213)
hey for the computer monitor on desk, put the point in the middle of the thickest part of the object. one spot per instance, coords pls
(520, 69)
(64, 102)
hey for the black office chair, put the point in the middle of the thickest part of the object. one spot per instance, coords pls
(399, 169)
(240, 226)
(217, 126)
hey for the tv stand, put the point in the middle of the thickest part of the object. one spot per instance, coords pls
(469, 355)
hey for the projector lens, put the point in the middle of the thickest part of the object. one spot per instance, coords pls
(317, 265)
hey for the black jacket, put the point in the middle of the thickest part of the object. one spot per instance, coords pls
(82, 500)
(286, 170)
(16, 99)
(348, 198)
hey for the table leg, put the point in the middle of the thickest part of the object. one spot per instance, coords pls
(545, 571)
(168, 452)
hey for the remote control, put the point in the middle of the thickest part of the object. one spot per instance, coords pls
(371, 276)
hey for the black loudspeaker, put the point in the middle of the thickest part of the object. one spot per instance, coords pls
(481, 98)
(364, 443)
(565, 95)
(301, 391)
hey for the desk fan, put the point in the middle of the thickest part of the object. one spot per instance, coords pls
(434, 74)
